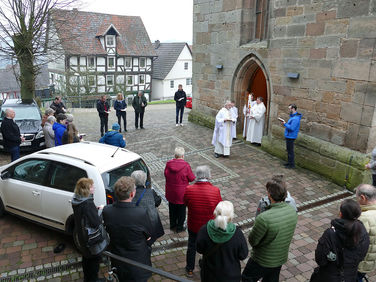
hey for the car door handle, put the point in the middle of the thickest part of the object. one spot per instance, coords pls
(36, 193)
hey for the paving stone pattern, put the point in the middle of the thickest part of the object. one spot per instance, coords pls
(241, 179)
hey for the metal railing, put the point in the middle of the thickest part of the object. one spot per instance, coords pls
(145, 267)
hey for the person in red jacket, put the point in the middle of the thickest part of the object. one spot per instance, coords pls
(201, 199)
(178, 174)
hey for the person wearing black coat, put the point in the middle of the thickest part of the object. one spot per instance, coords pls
(120, 106)
(223, 246)
(342, 246)
(85, 213)
(130, 232)
(103, 108)
(150, 200)
(11, 134)
(181, 99)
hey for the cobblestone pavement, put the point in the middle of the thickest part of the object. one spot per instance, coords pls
(27, 248)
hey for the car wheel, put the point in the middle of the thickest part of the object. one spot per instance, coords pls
(2, 210)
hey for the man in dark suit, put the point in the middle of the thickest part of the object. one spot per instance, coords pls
(103, 109)
(58, 106)
(11, 134)
(181, 99)
(139, 103)
(130, 231)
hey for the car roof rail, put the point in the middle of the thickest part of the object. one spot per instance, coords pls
(58, 154)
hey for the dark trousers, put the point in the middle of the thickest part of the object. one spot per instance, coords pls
(124, 116)
(290, 152)
(181, 109)
(191, 250)
(90, 267)
(177, 215)
(104, 124)
(141, 116)
(374, 180)
(14, 153)
(253, 272)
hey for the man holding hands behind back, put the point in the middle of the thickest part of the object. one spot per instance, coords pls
(181, 99)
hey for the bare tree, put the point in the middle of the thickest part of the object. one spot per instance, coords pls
(26, 37)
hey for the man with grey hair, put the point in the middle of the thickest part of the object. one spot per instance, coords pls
(130, 231)
(178, 174)
(222, 136)
(201, 199)
(366, 196)
(139, 103)
(49, 133)
(11, 134)
(150, 200)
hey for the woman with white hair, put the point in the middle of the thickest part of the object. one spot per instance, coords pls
(49, 133)
(150, 200)
(222, 245)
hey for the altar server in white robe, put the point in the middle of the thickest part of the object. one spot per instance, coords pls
(246, 111)
(222, 136)
(256, 122)
(234, 114)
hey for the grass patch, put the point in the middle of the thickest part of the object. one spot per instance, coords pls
(162, 102)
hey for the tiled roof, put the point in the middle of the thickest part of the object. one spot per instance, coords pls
(167, 54)
(79, 33)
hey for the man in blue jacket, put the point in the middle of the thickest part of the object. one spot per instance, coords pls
(291, 132)
(113, 137)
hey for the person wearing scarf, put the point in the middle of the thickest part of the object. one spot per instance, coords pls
(222, 245)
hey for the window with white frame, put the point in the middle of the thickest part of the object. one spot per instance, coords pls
(171, 84)
(129, 80)
(141, 79)
(111, 62)
(110, 80)
(91, 62)
(188, 81)
(110, 40)
(186, 66)
(128, 62)
(142, 62)
(91, 80)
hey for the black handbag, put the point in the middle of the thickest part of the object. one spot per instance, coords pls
(335, 256)
(97, 239)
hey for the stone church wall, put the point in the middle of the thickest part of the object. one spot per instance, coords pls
(331, 44)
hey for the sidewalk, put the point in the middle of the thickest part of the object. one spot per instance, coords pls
(241, 179)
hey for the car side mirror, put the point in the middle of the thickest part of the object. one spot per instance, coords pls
(5, 174)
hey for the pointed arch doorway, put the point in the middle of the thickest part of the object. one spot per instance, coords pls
(250, 75)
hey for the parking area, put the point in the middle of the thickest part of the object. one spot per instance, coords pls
(26, 250)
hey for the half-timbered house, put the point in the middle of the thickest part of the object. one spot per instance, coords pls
(100, 53)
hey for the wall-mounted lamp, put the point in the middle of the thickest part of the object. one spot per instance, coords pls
(219, 67)
(293, 75)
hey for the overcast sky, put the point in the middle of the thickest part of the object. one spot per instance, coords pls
(165, 20)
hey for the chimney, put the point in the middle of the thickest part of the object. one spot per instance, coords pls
(157, 44)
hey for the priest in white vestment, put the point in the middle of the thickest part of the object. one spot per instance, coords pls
(234, 114)
(256, 122)
(222, 136)
(246, 111)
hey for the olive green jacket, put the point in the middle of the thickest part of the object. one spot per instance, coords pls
(271, 235)
(137, 105)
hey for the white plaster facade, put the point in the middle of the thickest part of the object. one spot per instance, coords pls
(180, 73)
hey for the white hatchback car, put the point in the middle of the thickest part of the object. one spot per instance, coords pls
(40, 186)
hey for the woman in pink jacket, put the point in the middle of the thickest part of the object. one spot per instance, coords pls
(178, 174)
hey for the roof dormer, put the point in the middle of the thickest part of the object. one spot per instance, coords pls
(108, 38)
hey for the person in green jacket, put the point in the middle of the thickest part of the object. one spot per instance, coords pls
(139, 103)
(271, 236)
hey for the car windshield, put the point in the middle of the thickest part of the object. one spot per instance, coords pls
(110, 177)
(22, 113)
